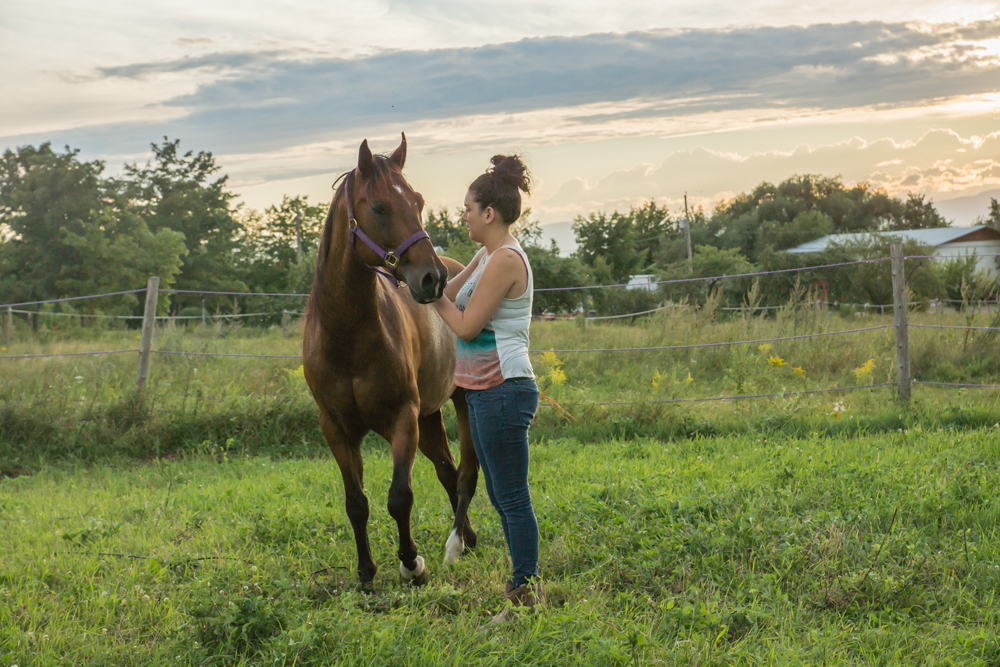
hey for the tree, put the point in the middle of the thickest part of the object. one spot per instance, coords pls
(806, 226)
(611, 238)
(444, 230)
(451, 235)
(993, 219)
(269, 244)
(653, 226)
(872, 282)
(915, 213)
(709, 262)
(69, 232)
(179, 191)
(550, 270)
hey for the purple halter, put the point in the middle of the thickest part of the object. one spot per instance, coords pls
(391, 258)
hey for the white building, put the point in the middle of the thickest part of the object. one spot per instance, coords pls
(980, 241)
(642, 281)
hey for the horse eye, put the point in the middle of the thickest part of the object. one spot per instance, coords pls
(380, 209)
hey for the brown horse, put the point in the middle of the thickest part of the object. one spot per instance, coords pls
(376, 360)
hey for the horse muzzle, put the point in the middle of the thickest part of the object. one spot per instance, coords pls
(428, 286)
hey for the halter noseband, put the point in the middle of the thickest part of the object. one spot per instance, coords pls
(391, 257)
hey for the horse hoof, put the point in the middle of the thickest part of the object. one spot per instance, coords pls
(418, 576)
(470, 539)
(453, 548)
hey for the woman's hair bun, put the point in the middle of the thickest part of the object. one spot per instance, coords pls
(510, 170)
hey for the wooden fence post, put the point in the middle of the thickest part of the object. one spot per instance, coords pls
(148, 324)
(8, 328)
(284, 323)
(902, 332)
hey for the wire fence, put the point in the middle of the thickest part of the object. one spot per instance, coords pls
(736, 397)
(897, 258)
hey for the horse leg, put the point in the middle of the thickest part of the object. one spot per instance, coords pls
(434, 445)
(468, 472)
(404, 448)
(347, 451)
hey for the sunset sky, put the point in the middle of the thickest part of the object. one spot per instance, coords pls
(612, 103)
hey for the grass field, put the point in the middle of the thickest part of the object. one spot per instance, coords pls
(881, 550)
(203, 523)
(85, 409)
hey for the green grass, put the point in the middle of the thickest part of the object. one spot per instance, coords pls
(203, 522)
(85, 408)
(741, 550)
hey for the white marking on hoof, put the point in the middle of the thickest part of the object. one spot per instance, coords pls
(453, 548)
(410, 575)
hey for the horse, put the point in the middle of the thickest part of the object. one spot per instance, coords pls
(375, 359)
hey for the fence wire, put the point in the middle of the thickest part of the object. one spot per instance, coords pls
(72, 298)
(735, 342)
(956, 384)
(734, 275)
(64, 354)
(194, 291)
(727, 398)
(977, 254)
(224, 354)
(949, 326)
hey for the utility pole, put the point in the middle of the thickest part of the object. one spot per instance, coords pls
(298, 230)
(687, 233)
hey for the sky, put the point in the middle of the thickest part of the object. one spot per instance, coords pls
(612, 104)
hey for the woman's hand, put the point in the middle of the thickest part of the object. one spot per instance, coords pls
(494, 283)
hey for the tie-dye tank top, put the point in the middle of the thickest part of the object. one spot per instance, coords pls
(500, 351)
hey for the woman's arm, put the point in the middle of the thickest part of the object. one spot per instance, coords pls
(497, 278)
(455, 282)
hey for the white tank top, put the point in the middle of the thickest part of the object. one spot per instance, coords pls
(500, 351)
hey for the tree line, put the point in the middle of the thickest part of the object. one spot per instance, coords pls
(68, 229)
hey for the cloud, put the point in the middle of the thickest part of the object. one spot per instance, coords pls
(940, 163)
(275, 97)
(199, 42)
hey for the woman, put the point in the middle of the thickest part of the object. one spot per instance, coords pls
(490, 315)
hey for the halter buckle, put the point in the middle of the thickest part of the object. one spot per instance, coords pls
(391, 260)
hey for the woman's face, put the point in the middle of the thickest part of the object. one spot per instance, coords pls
(475, 217)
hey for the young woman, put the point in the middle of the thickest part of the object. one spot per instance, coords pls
(488, 306)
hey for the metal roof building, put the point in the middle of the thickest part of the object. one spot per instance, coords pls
(946, 241)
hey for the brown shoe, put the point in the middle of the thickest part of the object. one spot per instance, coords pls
(522, 596)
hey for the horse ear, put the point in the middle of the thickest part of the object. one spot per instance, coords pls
(365, 165)
(399, 155)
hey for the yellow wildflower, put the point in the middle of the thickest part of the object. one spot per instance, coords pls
(553, 365)
(798, 370)
(864, 371)
(765, 347)
(688, 379)
(775, 360)
(656, 379)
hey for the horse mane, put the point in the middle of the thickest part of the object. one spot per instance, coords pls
(382, 166)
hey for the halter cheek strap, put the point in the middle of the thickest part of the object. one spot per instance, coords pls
(391, 257)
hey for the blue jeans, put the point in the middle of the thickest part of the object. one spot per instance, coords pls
(499, 419)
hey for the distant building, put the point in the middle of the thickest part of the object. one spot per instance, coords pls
(946, 241)
(642, 281)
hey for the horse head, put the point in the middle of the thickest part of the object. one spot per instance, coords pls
(385, 213)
